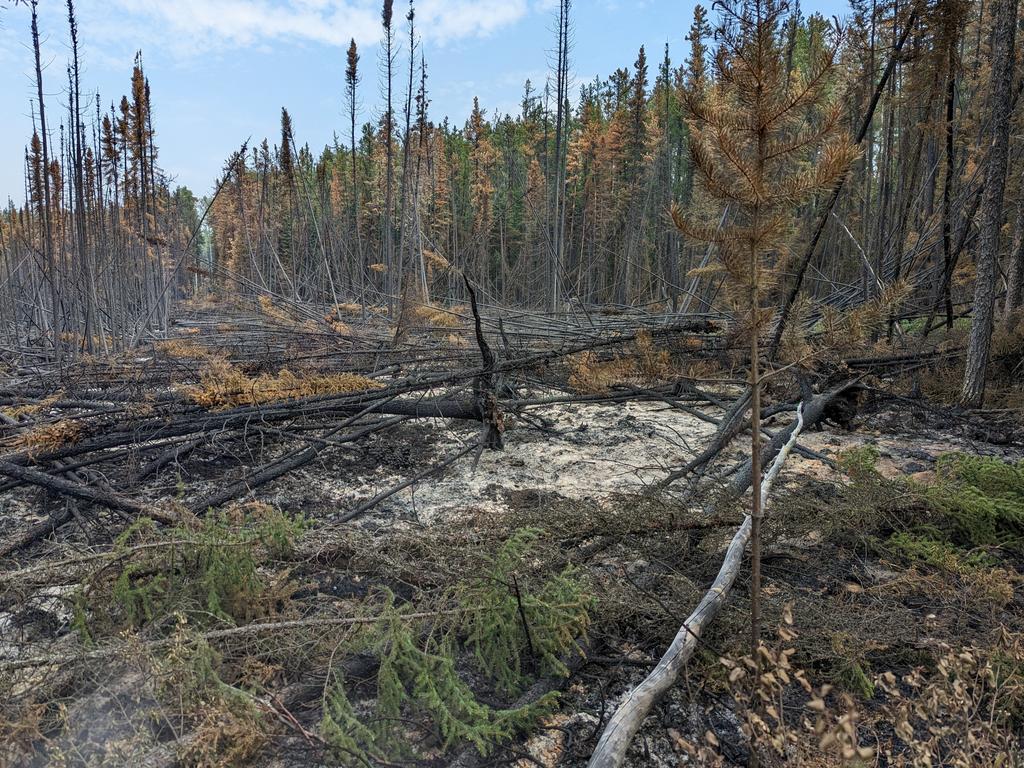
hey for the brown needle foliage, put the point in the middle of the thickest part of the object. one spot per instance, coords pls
(762, 142)
(222, 385)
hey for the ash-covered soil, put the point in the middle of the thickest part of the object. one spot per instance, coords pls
(573, 459)
(583, 452)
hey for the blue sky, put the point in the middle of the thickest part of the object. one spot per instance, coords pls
(221, 70)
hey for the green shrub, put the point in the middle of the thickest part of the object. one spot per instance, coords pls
(956, 525)
(545, 622)
(922, 548)
(209, 574)
(975, 502)
(499, 618)
(981, 499)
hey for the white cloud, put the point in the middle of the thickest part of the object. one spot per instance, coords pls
(446, 20)
(199, 27)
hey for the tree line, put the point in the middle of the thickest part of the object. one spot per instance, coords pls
(563, 203)
(95, 257)
(567, 198)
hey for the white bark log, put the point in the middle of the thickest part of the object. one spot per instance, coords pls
(611, 749)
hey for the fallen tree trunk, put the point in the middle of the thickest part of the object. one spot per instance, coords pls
(623, 725)
(275, 469)
(730, 426)
(814, 411)
(84, 492)
(38, 531)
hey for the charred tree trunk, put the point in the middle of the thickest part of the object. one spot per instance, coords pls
(1004, 25)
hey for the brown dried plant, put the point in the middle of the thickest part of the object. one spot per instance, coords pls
(274, 312)
(763, 141)
(437, 317)
(222, 385)
(31, 409)
(781, 710)
(183, 349)
(49, 437)
(967, 712)
(647, 364)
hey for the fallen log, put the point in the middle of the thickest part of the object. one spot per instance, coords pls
(623, 725)
(38, 531)
(172, 454)
(63, 487)
(728, 428)
(149, 430)
(275, 469)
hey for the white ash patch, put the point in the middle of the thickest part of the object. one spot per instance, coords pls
(591, 451)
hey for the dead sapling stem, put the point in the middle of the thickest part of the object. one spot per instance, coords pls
(369, 504)
(522, 617)
(483, 385)
(628, 717)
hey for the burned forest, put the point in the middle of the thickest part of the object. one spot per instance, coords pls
(673, 417)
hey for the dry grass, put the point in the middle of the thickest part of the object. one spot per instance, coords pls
(180, 349)
(334, 317)
(222, 385)
(346, 308)
(269, 309)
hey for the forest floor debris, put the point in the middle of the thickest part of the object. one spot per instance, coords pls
(870, 591)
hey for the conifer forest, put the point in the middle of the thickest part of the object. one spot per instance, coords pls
(674, 417)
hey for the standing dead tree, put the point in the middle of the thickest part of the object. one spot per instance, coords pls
(484, 389)
(351, 82)
(1004, 25)
(761, 144)
(387, 137)
(84, 261)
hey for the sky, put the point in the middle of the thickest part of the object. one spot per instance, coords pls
(220, 70)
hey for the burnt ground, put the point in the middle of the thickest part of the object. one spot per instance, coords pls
(584, 474)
